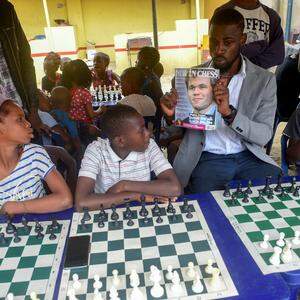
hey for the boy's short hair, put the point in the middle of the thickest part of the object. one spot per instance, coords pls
(133, 75)
(59, 89)
(148, 57)
(113, 121)
(102, 56)
(228, 16)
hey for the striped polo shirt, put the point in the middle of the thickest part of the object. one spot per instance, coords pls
(25, 181)
(104, 166)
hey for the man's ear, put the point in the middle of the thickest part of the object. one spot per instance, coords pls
(243, 39)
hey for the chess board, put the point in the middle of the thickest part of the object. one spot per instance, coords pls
(32, 264)
(260, 216)
(124, 248)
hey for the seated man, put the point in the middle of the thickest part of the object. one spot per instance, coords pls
(132, 80)
(246, 99)
(119, 168)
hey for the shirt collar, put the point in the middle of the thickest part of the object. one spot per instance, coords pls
(132, 156)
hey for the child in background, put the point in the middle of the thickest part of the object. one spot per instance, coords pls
(119, 168)
(158, 70)
(52, 78)
(24, 167)
(101, 75)
(63, 62)
(132, 80)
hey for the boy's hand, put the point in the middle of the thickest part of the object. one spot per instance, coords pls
(168, 103)
(221, 95)
(9, 208)
(119, 187)
(37, 124)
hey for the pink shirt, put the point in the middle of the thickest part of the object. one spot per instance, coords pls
(80, 97)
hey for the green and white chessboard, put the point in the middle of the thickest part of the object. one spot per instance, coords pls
(258, 217)
(139, 246)
(32, 264)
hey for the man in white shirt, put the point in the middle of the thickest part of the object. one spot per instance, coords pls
(246, 99)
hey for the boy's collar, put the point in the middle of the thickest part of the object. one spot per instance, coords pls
(132, 156)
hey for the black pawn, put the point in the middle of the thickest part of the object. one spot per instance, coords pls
(146, 220)
(245, 198)
(130, 222)
(25, 224)
(173, 215)
(239, 190)
(267, 187)
(128, 212)
(143, 212)
(83, 225)
(293, 183)
(159, 219)
(282, 194)
(102, 211)
(17, 239)
(54, 224)
(248, 190)
(278, 188)
(52, 236)
(296, 192)
(114, 215)
(39, 235)
(260, 196)
(86, 216)
(101, 221)
(270, 194)
(170, 207)
(226, 193)
(3, 240)
(156, 208)
(189, 214)
(10, 228)
(233, 199)
(38, 227)
(185, 205)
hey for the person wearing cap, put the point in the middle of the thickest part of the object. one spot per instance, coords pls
(24, 167)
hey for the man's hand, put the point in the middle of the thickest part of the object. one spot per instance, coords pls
(168, 103)
(221, 95)
(37, 124)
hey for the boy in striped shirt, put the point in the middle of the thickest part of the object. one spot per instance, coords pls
(23, 167)
(120, 167)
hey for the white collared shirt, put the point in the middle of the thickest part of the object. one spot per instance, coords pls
(103, 165)
(224, 140)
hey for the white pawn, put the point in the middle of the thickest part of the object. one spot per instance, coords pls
(113, 294)
(191, 271)
(215, 279)
(281, 242)
(136, 294)
(176, 288)
(169, 274)
(10, 296)
(71, 294)
(197, 286)
(275, 258)
(116, 279)
(97, 283)
(76, 282)
(134, 279)
(97, 295)
(157, 290)
(286, 255)
(296, 239)
(264, 244)
(209, 268)
(33, 296)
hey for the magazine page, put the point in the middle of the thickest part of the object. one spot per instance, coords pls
(196, 108)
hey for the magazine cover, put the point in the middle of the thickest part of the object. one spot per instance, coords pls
(196, 107)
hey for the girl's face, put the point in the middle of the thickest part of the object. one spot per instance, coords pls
(100, 65)
(14, 128)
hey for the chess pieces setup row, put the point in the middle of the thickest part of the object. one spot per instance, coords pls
(104, 94)
(11, 229)
(144, 213)
(157, 291)
(33, 296)
(282, 250)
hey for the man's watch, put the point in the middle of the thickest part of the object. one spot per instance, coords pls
(229, 118)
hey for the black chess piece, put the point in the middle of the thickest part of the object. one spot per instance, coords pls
(39, 235)
(155, 209)
(54, 224)
(189, 214)
(145, 220)
(260, 196)
(86, 215)
(233, 199)
(3, 240)
(114, 215)
(282, 194)
(83, 225)
(185, 205)
(267, 187)
(296, 191)
(17, 239)
(173, 215)
(143, 212)
(10, 227)
(226, 193)
(248, 190)
(52, 235)
(270, 194)
(130, 222)
(102, 211)
(38, 227)
(101, 221)
(25, 224)
(159, 218)
(278, 187)
(128, 212)
(170, 206)
(245, 198)
(239, 190)
(293, 183)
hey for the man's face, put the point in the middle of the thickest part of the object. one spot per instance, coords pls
(200, 92)
(225, 44)
(14, 128)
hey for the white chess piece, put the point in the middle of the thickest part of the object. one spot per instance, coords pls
(33, 296)
(157, 290)
(97, 283)
(113, 294)
(281, 242)
(296, 239)
(71, 294)
(169, 274)
(264, 244)
(197, 286)
(215, 279)
(209, 267)
(136, 294)
(97, 295)
(10, 296)
(286, 255)
(76, 282)
(191, 271)
(134, 278)
(275, 258)
(116, 279)
(176, 287)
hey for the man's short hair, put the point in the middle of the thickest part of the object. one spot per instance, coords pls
(148, 57)
(113, 122)
(228, 16)
(134, 75)
(102, 56)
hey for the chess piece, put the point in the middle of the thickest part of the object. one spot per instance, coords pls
(52, 236)
(296, 191)
(155, 209)
(38, 227)
(128, 212)
(215, 279)
(245, 198)
(3, 240)
(54, 224)
(239, 190)
(10, 227)
(76, 282)
(197, 286)
(260, 196)
(100, 221)
(157, 290)
(102, 211)
(275, 258)
(159, 218)
(86, 216)
(145, 220)
(270, 194)
(191, 271)
(226, 193)
(264, 244)
(286, 255)
(293, 183)
(267, 187)
(114, 215)
(10, 296)
(281, 242)
(25, 224)
(278, 188)
(296, 239)
(143, 212)
(97, 283)
(170, 206)
(40, 235)
(17, 239)
(130, 222)
(97, 295)
(176, 287)
(248, 190)
(71, 294)
(134, 278)
(113, 293)
(189, 214)
(185, 205)
(173, 219)
(33, 296)
(116, 279)
(209, 267)
(282, 194)
(169, 274)
(233, 199)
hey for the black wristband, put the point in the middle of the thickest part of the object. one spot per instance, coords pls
(229, 119)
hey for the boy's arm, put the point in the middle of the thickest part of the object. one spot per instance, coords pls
(116, 77)
(293, 151)
(59, 199)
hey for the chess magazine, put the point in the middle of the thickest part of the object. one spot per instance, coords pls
(196, 108)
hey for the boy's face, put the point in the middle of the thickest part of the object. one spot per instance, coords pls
(125, 85)
(14, 128)
(61, 98)
(137, 136)
(100, 64)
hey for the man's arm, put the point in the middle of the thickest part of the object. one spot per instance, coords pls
(293, 151)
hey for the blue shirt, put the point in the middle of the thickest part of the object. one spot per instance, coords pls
(63, 119)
